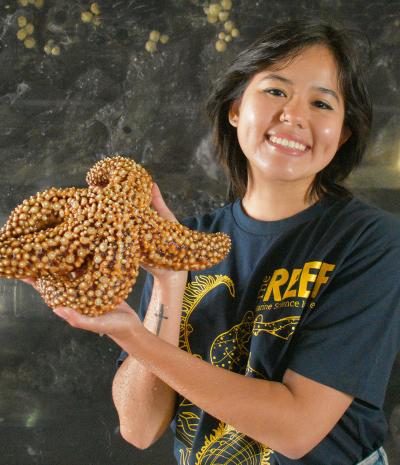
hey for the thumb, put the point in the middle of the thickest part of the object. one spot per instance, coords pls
(160, 206)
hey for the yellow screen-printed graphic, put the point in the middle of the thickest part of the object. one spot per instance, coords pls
(227, 446)
(188, 417)
(229, 350)
(282, 328)
(300, 282)
(252, 372)
(187, 422)
(194, 293)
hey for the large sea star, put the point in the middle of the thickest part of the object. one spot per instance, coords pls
(84, 246)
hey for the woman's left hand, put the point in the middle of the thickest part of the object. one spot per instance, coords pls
(121, 324)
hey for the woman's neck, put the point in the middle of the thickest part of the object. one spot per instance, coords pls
(271, 203)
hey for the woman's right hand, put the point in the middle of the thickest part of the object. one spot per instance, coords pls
(163, 275)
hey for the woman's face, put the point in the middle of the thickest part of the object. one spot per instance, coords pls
(290, 121)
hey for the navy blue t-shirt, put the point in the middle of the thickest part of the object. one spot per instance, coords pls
(318, 293)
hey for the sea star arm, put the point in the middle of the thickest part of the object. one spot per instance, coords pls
(32, 240)
(169, 244)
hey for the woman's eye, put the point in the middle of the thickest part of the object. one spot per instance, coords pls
(322, 105)
(276, 92)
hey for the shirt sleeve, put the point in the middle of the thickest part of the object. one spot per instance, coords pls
(350, 339)
(144, 303)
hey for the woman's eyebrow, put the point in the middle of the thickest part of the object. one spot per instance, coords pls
(278, 77)
(288, 81)
(327, 91)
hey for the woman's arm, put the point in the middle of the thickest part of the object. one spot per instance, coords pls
(291, 417)
(144, 403)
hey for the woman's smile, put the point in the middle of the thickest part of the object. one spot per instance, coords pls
(287, 145)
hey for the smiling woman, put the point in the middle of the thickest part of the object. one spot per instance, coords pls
(281, 353)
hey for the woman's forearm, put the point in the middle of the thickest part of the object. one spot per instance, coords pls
(145, 404)
(258, 408)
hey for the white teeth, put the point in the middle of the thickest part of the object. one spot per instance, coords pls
(288, 143)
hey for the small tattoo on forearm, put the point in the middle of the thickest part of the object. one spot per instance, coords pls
(161, 317)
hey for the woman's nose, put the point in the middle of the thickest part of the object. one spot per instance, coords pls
(293, 113)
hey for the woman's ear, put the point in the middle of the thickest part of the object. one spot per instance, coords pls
(234, 113)
(344, 136)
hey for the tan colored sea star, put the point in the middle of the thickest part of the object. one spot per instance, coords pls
(84, 246)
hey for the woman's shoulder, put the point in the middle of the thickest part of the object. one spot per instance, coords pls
(372, 221)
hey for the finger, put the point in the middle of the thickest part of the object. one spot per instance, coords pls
(160, 206)
(150, 269)
(99, 324)
(145, 267)
(124, 307)
(77, 320)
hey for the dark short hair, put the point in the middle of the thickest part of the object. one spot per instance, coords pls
(279, 45)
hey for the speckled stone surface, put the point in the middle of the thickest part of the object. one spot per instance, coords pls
(101, 93)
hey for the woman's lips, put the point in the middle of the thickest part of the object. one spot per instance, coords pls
(285, 149)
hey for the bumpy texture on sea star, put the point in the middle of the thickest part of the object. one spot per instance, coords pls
(84, 246)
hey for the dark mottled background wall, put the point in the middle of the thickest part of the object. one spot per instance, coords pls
(77, 82)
